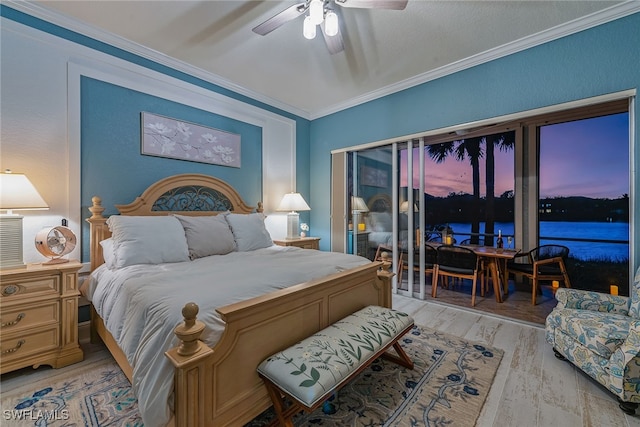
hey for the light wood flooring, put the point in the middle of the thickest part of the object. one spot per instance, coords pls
(532, 387)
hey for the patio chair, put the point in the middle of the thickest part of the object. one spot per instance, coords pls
(430, 255)
(546, 262)
(457, 262)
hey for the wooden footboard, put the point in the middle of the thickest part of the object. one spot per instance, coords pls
(220, 386)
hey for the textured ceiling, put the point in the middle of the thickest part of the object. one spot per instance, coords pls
(382, 47)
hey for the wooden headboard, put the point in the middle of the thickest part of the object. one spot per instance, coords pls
(380, 203)
(185, 194)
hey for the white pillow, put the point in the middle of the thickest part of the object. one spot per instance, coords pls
(207, 235)
(108, 253)
(249, 231)
(147, 240)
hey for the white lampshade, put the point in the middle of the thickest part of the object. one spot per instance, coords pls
(291, 203)
(331, 24)
(358, 204)
(404, 207)
(308, 29)
(16, 193)
(316, 11)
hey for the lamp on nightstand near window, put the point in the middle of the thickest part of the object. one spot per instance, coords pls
(293, 202)
(16, 193)
(358, 208)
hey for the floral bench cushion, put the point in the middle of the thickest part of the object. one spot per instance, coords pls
(600, 332)
(317, 365)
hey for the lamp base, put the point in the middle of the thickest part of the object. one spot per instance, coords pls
(11, 242)
(293, 221)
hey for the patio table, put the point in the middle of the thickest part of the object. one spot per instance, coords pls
(496, 262)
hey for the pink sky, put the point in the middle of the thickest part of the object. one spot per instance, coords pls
(455, 176)
(579, 158)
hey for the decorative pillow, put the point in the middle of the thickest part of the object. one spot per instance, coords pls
(147, 240)
(249, 231)
(380, 221)
(207, 235)
(108, 253)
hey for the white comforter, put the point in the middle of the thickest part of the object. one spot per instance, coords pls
(141, 305)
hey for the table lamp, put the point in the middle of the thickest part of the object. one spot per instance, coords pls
(293, 202)
(16, 193)
(358, 207)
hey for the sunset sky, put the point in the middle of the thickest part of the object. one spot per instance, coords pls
(584, 158)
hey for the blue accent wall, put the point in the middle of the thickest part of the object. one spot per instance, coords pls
(601, 60)
(112, 165)
(111, 161)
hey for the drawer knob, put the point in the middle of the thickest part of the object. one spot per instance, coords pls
(14, 322)
(14, 349)
(9, 290)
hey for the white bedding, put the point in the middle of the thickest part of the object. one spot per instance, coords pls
(141, 305)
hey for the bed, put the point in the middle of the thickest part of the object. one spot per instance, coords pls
(214, 380)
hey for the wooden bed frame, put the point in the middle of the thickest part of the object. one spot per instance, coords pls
(219, 386)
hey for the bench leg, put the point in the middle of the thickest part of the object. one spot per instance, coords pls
(283, 414)
(401, 359)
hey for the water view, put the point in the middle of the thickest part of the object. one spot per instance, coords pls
(573, 230)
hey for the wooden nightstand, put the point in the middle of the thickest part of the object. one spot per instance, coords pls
(39, 316)
(302, 242)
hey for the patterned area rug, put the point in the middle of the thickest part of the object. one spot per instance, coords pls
(447, 387)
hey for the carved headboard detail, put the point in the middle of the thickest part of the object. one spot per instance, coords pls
(186, 194)
(380, 203)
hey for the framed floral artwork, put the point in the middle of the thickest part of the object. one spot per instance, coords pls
(177, 139)
(373, 177)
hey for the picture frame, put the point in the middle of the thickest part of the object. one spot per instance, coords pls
(178, 139)
(374, 177)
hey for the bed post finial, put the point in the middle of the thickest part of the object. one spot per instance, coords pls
(259, 208)
(385, 275)
(97, 209)
(189, 332)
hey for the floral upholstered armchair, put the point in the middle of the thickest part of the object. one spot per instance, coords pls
(600, 334)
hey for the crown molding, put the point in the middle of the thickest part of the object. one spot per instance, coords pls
(609, 14)
(114, 40)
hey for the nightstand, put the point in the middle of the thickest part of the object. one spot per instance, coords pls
(39, 316)
(302, 242)
(361, 243)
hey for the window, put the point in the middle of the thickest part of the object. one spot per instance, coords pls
(584, 197)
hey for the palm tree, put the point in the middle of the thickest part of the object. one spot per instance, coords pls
(469, 149)
(504, 141)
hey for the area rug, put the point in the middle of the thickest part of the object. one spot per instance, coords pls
(447, 387)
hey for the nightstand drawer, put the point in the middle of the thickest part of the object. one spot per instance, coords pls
(28, 316)
(28, 288)
(28, 344)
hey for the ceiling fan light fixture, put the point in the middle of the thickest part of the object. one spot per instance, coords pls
(308, 28)
(331, 24)
(316, 11)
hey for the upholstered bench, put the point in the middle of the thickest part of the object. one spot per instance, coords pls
(309, 372)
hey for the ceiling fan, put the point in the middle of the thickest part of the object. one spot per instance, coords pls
(322, 13)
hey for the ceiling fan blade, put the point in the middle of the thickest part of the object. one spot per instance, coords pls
(374, 4)
(281, 18)
(335, 43)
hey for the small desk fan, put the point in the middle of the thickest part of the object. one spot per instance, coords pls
(56, 242)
